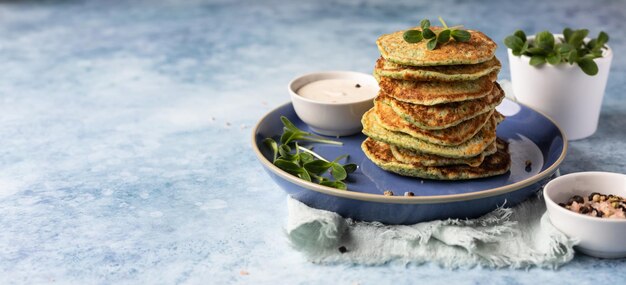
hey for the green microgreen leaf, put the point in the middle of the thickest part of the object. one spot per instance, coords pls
(334, 184)
(514, 43)
(520, 34)
(603, 38)
(537, 60)
(306, 157)
(425, 24)
(572, 56)
(273, 146)
(304, 149)
(288, 136)
(567, 34)
(596, 53)
(554, 58)
(460, 35)
(291, 133)
(350, 167)
(564, 47)
(338, 172)
(537, 51)
(317, 166)
(545, 41)
(413, 36)
(443, 37)
(305, 175)
(593, 45)
(525, 48)
(577, 37)
(288, 166)
(588, 66)
(288, 124)
(284, 151)
(428, 33)
(432, 44)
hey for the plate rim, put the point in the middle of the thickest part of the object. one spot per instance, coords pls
(412, 199)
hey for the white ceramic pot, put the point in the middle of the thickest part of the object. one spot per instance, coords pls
(600, 237)
(563, 92)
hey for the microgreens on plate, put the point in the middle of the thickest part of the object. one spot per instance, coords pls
(304, 162)
(443, 36)
(570, 48)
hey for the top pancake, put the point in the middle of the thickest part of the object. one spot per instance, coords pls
(479, 48)
(437, 73)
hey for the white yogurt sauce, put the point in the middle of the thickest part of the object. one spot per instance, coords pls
(337, 91)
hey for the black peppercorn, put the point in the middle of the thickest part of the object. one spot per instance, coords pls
(343, 249)
(528, 166)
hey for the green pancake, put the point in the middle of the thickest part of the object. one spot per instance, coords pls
(473, 147)
(451, 136)
(412, 157)
(380, 154)
(393, 48)
(436, 92)
(442, 116)
(389, 69)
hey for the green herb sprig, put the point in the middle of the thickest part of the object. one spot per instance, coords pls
(291, 133)
(305, 163)
(416, 36)
(571, 48)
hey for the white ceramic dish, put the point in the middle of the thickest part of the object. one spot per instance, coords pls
(331, 119)
(599, 237)
(563, 92)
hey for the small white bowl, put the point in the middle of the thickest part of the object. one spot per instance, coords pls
(599, 237)
(332, 119)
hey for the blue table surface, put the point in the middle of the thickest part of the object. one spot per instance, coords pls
(125, 134)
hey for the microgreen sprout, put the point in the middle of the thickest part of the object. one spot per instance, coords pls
(304, 162)
(416, 36)
(570, 48)
(291, 133)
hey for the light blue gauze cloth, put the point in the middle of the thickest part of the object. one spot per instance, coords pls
(518, 237)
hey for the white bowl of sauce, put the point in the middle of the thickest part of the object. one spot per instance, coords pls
(333, 102)
(597, 236)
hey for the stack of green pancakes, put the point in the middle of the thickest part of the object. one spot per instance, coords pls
(435, 116)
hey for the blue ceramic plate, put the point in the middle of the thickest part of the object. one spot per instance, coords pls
(531, 136)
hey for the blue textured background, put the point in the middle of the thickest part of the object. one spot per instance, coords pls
(125, 133)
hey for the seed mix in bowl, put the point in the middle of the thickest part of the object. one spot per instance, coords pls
(597, 205)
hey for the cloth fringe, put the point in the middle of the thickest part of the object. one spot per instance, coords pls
(518, 237)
